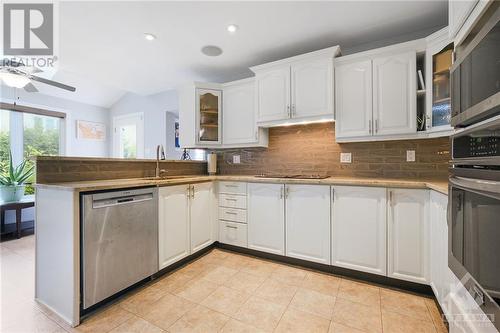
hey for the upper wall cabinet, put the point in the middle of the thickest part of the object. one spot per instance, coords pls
(376, 93)
(296, 89)
(394, 94)
(458, 11)
(219, 116)
(239, 118)
(353, 99)
(438, 60)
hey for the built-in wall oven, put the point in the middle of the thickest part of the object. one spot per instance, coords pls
(475, 74)
(474, 214)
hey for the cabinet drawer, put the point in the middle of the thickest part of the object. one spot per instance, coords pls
(233, 214)
(233, 233)
(232, 201)
(233, 187)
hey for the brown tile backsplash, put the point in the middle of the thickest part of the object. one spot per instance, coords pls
(312, 149)
(61, 169)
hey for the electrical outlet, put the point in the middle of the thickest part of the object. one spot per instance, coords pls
(236, 159)
(345, 158)
(410, 156)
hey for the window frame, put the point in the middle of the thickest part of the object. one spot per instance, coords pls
(16, 127)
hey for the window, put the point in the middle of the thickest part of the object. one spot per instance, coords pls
(27, 135)
(41, 135)
(4, 137)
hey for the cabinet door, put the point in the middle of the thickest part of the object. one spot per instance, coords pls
(266, 218)
(353, 99)
(438, 245)
(208, 116)
(308, 222)
(201, 216)
(359, 228)
(273, 94)
(312, 88)
(408, 235)
(394, 94)
(239, 114)
(458, 12)
(173, 224)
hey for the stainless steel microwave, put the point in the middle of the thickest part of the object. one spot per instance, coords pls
(474, 214)
(475, 74)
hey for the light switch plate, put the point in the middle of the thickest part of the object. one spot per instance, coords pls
(236, 159)
(410, 156)
(345, 158)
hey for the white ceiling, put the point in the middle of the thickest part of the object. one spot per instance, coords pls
(102, 43)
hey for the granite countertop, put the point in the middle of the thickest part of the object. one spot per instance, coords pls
(97, 185)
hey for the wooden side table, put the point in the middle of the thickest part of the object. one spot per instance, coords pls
(26, 202)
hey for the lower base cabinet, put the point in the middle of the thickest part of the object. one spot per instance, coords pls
(408, 235)
(308, 222)
(202, 211)
(359, 228)
(266, 217)
(173, 226)
(185, 221)
(439, 271)
(233, 233)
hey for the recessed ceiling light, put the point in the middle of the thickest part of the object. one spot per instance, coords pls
(211, 50)
(149, 36)
(232, 28)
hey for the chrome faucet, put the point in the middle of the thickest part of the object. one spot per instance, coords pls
(159, 152)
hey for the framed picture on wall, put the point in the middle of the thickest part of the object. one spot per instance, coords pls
(89, 130)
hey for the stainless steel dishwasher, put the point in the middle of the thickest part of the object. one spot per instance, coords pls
(120, 241)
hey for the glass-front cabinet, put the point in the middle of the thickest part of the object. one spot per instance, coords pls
(441, 106)
(438, 61)
(208, 116)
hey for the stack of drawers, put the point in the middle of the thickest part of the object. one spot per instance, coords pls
(233, 213)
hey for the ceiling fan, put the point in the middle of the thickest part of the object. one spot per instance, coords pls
(16, 74)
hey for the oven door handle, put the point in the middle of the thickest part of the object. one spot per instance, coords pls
(480, 185)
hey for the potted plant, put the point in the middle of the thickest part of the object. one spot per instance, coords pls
(12, 181)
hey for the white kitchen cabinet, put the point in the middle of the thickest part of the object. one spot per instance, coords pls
(353, 99)
(439, 271)
(394, 94)
(173, 226)
(408, 235)
(233, 233)
(359, 228)
(308, 222)
(239, 121)
(266, 217)
(201, 216)
(458, 12)
(312, 88)
(273, 94)
(296, 89)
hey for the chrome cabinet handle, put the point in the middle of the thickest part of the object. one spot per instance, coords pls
(370, 126)
(293, 110)
(376, 125)
(231, 213)
(287, 191)
(333, 195)
(230, 199)
(390, 198)
(231, 226)
(288, 111)
(192, 191)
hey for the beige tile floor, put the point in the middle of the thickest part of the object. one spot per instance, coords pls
(224, 292)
